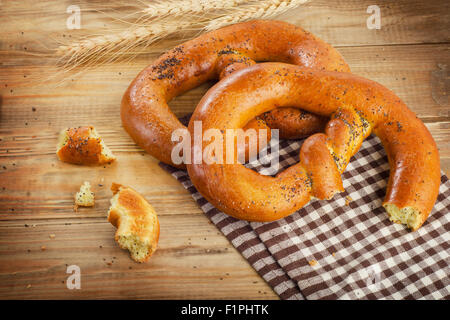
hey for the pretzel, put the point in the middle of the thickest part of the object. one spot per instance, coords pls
(356, 107)
(149, 120)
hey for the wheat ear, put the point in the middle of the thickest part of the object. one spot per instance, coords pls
(92, 50)
(100, 49)
(262, 10)
(178, 8)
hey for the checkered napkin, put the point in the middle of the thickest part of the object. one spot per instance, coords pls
(344, 248)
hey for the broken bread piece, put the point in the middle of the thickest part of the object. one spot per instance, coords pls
(136, 222)
(409, 216)
(84, 197)
(83, 145)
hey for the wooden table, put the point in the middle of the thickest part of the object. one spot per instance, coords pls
(409, 54)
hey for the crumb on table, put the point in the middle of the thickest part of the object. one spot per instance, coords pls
(84, 197)
(348, 199)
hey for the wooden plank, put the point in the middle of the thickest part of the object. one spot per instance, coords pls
(341, 22)
(441, 134)
(344, 23)
(187, 264)
(407, 70)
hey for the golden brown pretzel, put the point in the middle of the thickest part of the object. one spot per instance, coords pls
(291, 122)
(145, 113)
(356, 107)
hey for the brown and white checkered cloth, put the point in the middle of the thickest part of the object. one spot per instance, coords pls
(345, 248)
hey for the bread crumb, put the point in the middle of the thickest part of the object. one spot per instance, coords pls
(333, 254)
(312, 263)
(28, 286)
(51, 236)
(136, 222)
(348, 199)
(43, 248)
(84, 197)
(83, 145)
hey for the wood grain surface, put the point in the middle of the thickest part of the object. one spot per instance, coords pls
(409, 55)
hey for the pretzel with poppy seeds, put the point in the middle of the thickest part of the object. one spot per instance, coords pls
(356, 107)
(215, 55)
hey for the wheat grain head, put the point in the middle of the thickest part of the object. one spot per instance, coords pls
(255, 10)
(179, 8)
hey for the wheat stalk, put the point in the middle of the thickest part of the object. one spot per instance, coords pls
(92, 50)
(105, 48)
(263, 10)
(178, 8)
